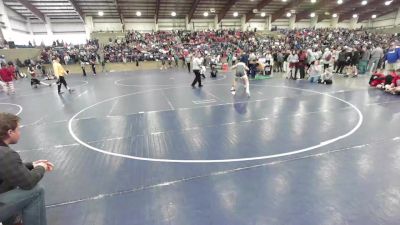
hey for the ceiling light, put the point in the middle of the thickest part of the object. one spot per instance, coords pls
(293, 11)
(284, 0)
(138, 13)
(173, 14)
(339, 2)
(312, 15)
(235, 14)
(263, 14)
(327, 13)
(101, 13)
(334, 15)
(364, 2)
(313, 1)
(355, 15)
(212, 10)
(288, 14)
(388, 2)
(373, 16)
(205, 14)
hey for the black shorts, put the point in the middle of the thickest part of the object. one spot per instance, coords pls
(238, 74)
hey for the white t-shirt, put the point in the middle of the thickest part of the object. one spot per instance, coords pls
(196, 63)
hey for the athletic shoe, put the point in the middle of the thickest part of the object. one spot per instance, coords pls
(71, 90)
(200, 85)
(61, 92)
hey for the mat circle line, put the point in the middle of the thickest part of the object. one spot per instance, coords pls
(321, 144)
(19, 107)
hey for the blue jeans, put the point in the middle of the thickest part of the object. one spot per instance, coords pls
(29, 203)
(313, 79)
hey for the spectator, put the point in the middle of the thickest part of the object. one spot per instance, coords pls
(19, 189)
(365, 56)
(376, 56)
(7, 79)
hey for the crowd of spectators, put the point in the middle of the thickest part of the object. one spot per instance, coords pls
(344, 51)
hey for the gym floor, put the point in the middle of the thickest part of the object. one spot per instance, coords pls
(145, 148)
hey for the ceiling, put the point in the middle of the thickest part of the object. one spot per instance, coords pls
(121, 9)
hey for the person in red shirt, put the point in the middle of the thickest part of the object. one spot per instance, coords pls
(7, 79)
(377, 79)
(11, 68)
(394, 87)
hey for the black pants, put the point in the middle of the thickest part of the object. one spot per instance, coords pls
(326, 66)
(34, 81)
(137, 62)
(61, 81)
(83, 71)
(340, 67)
(279, 66)
(188, 66)
(94, 69)
(302, 71)
(197, 78)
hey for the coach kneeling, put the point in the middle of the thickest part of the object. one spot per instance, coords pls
(19, 192)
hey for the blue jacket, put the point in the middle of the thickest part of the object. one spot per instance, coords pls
(392, 56)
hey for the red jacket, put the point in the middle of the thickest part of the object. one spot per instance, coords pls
(396, 79)
(6, 75)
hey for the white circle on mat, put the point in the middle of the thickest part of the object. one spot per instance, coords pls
(16, 105)
(294, 152)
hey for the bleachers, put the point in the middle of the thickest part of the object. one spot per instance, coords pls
(21, 53)
(104, 37)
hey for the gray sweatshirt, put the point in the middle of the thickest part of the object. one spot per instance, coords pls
(377, 53)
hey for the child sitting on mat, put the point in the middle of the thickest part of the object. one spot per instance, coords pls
(326, 77)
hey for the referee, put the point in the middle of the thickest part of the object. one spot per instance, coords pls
(59, 72)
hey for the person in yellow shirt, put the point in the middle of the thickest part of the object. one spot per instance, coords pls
(59, 72)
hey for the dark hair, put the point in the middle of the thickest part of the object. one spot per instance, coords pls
(8, 122)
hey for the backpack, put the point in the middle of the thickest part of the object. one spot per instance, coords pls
(328, 57)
